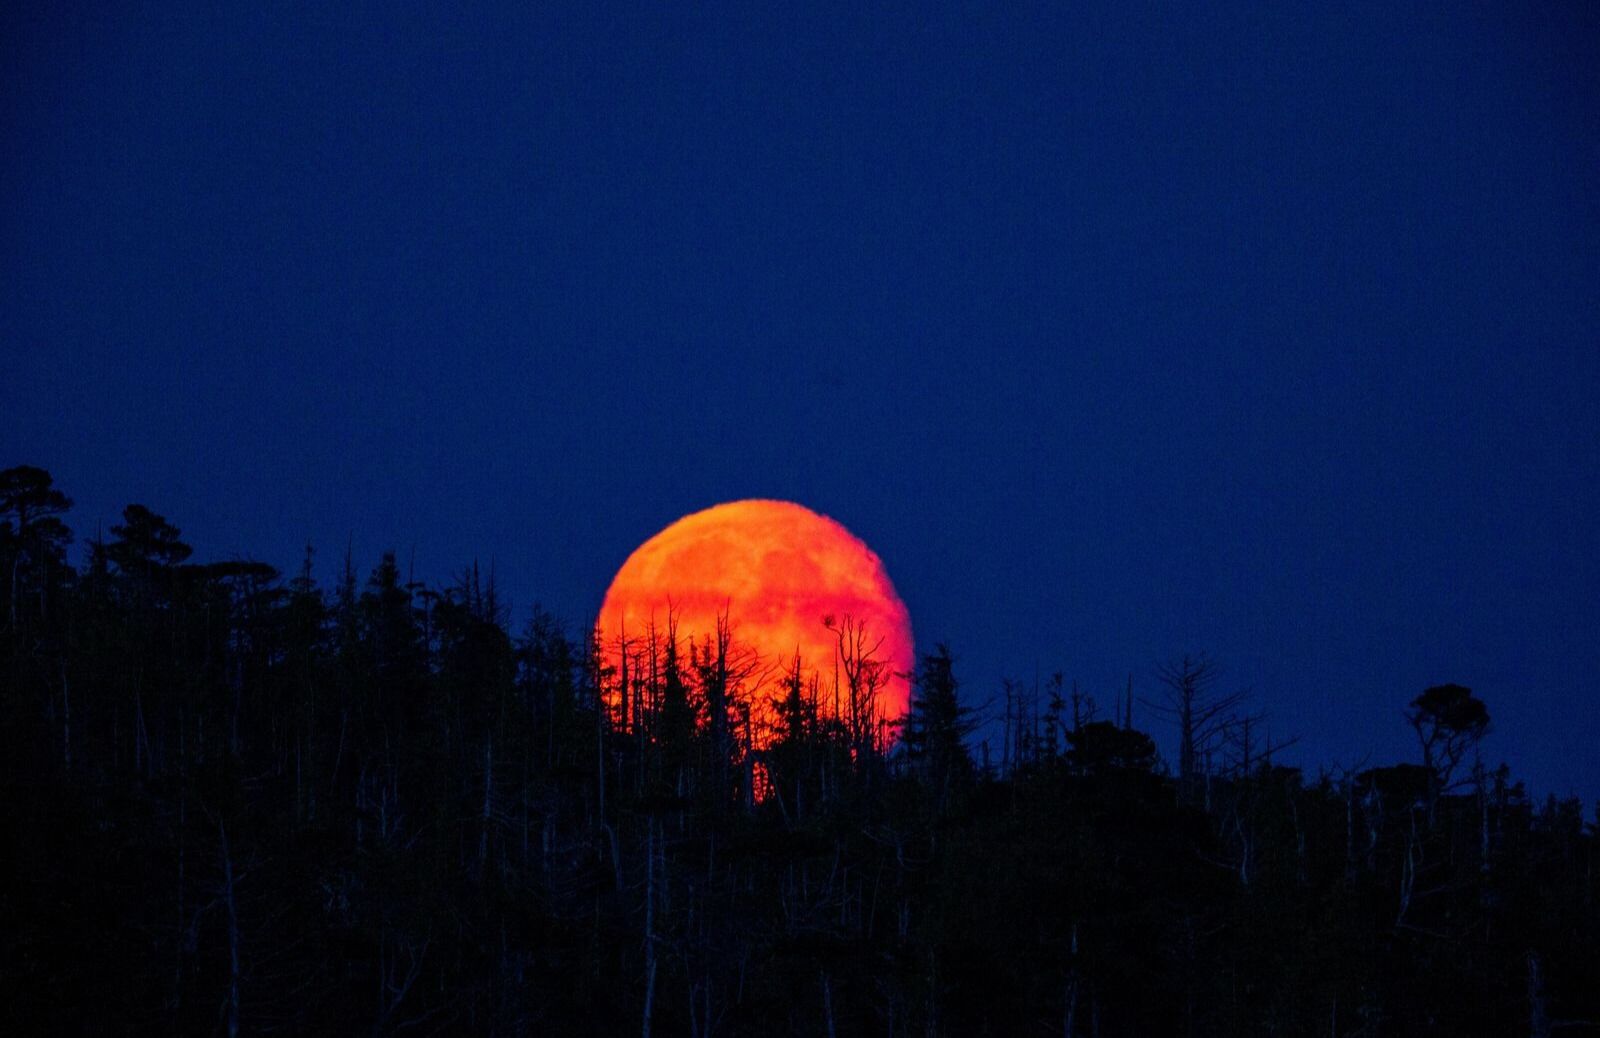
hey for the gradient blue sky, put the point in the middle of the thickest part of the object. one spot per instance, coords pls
(1116, 330)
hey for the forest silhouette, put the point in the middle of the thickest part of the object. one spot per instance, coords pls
(238, 801)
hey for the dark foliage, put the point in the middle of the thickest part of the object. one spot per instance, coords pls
(240, 804)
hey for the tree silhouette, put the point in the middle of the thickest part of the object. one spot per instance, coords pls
(238, 802)
(1202, 714)
(33, 538)
(938, 724)
(1099, 745)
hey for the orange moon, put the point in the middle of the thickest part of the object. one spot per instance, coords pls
(777, 569)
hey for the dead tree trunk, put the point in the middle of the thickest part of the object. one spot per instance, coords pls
(66, 718)
(488, 801)
(649, 925)
(1538, 1009)
(231, 904)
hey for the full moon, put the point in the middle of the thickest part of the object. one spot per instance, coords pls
(789, 581)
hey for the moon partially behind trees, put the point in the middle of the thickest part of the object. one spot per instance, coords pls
(788, 580)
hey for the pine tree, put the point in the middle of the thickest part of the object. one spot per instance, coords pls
(937, 726)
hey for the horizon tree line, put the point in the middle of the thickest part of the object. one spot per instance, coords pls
(245, 803)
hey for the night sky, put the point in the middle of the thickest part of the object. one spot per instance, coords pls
(1115, 332)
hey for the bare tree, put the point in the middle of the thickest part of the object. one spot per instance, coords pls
(1201, 713)
(730, 675)
(861, 675)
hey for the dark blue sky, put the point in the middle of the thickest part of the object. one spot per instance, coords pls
(1116, 332)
